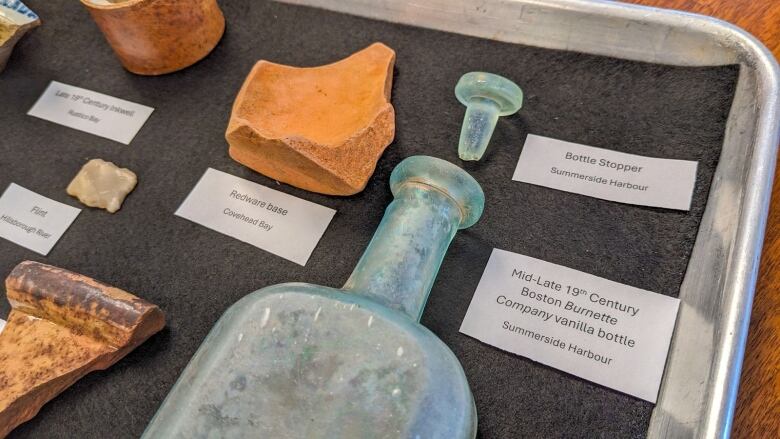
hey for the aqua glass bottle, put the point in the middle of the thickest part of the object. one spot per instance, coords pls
(305, 361)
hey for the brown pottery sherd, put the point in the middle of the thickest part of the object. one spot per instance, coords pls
(154, 37)
(62, 326)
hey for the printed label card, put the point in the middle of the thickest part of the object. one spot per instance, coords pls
(91, 112)
(606, 174)
(32, 220)
(606, 332)
(282, 224)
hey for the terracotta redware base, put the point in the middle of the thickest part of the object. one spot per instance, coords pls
(322, 129)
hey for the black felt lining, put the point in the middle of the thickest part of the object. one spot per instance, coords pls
(194, 274)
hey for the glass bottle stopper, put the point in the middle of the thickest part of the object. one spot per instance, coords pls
(486, 97)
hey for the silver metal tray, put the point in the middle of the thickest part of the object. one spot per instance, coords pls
(699, 388)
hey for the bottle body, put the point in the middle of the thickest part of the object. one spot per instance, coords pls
(298, 360)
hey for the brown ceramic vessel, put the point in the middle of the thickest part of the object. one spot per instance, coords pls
(322, 129)
(154, 37)
(62, 326)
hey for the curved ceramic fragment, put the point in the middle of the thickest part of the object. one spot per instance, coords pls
(154, 37)
(102, 184)
(322, 129)
(62, 326)
(15, 20)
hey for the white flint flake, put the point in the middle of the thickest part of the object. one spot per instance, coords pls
(102, 184)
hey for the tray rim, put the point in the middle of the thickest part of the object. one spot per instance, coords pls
(701, 379)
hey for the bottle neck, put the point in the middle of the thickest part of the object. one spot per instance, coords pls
(403, 258)
(478, 125)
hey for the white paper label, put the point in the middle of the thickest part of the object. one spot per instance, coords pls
(32, 220)
(610, 175)
(93, 112)
(282, 224)
(603, 331)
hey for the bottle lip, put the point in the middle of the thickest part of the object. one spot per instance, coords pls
(507, 95)
(446, 178)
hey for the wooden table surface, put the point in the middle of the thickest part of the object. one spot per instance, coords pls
(758, 405)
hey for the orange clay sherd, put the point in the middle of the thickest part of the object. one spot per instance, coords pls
(322, 129)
